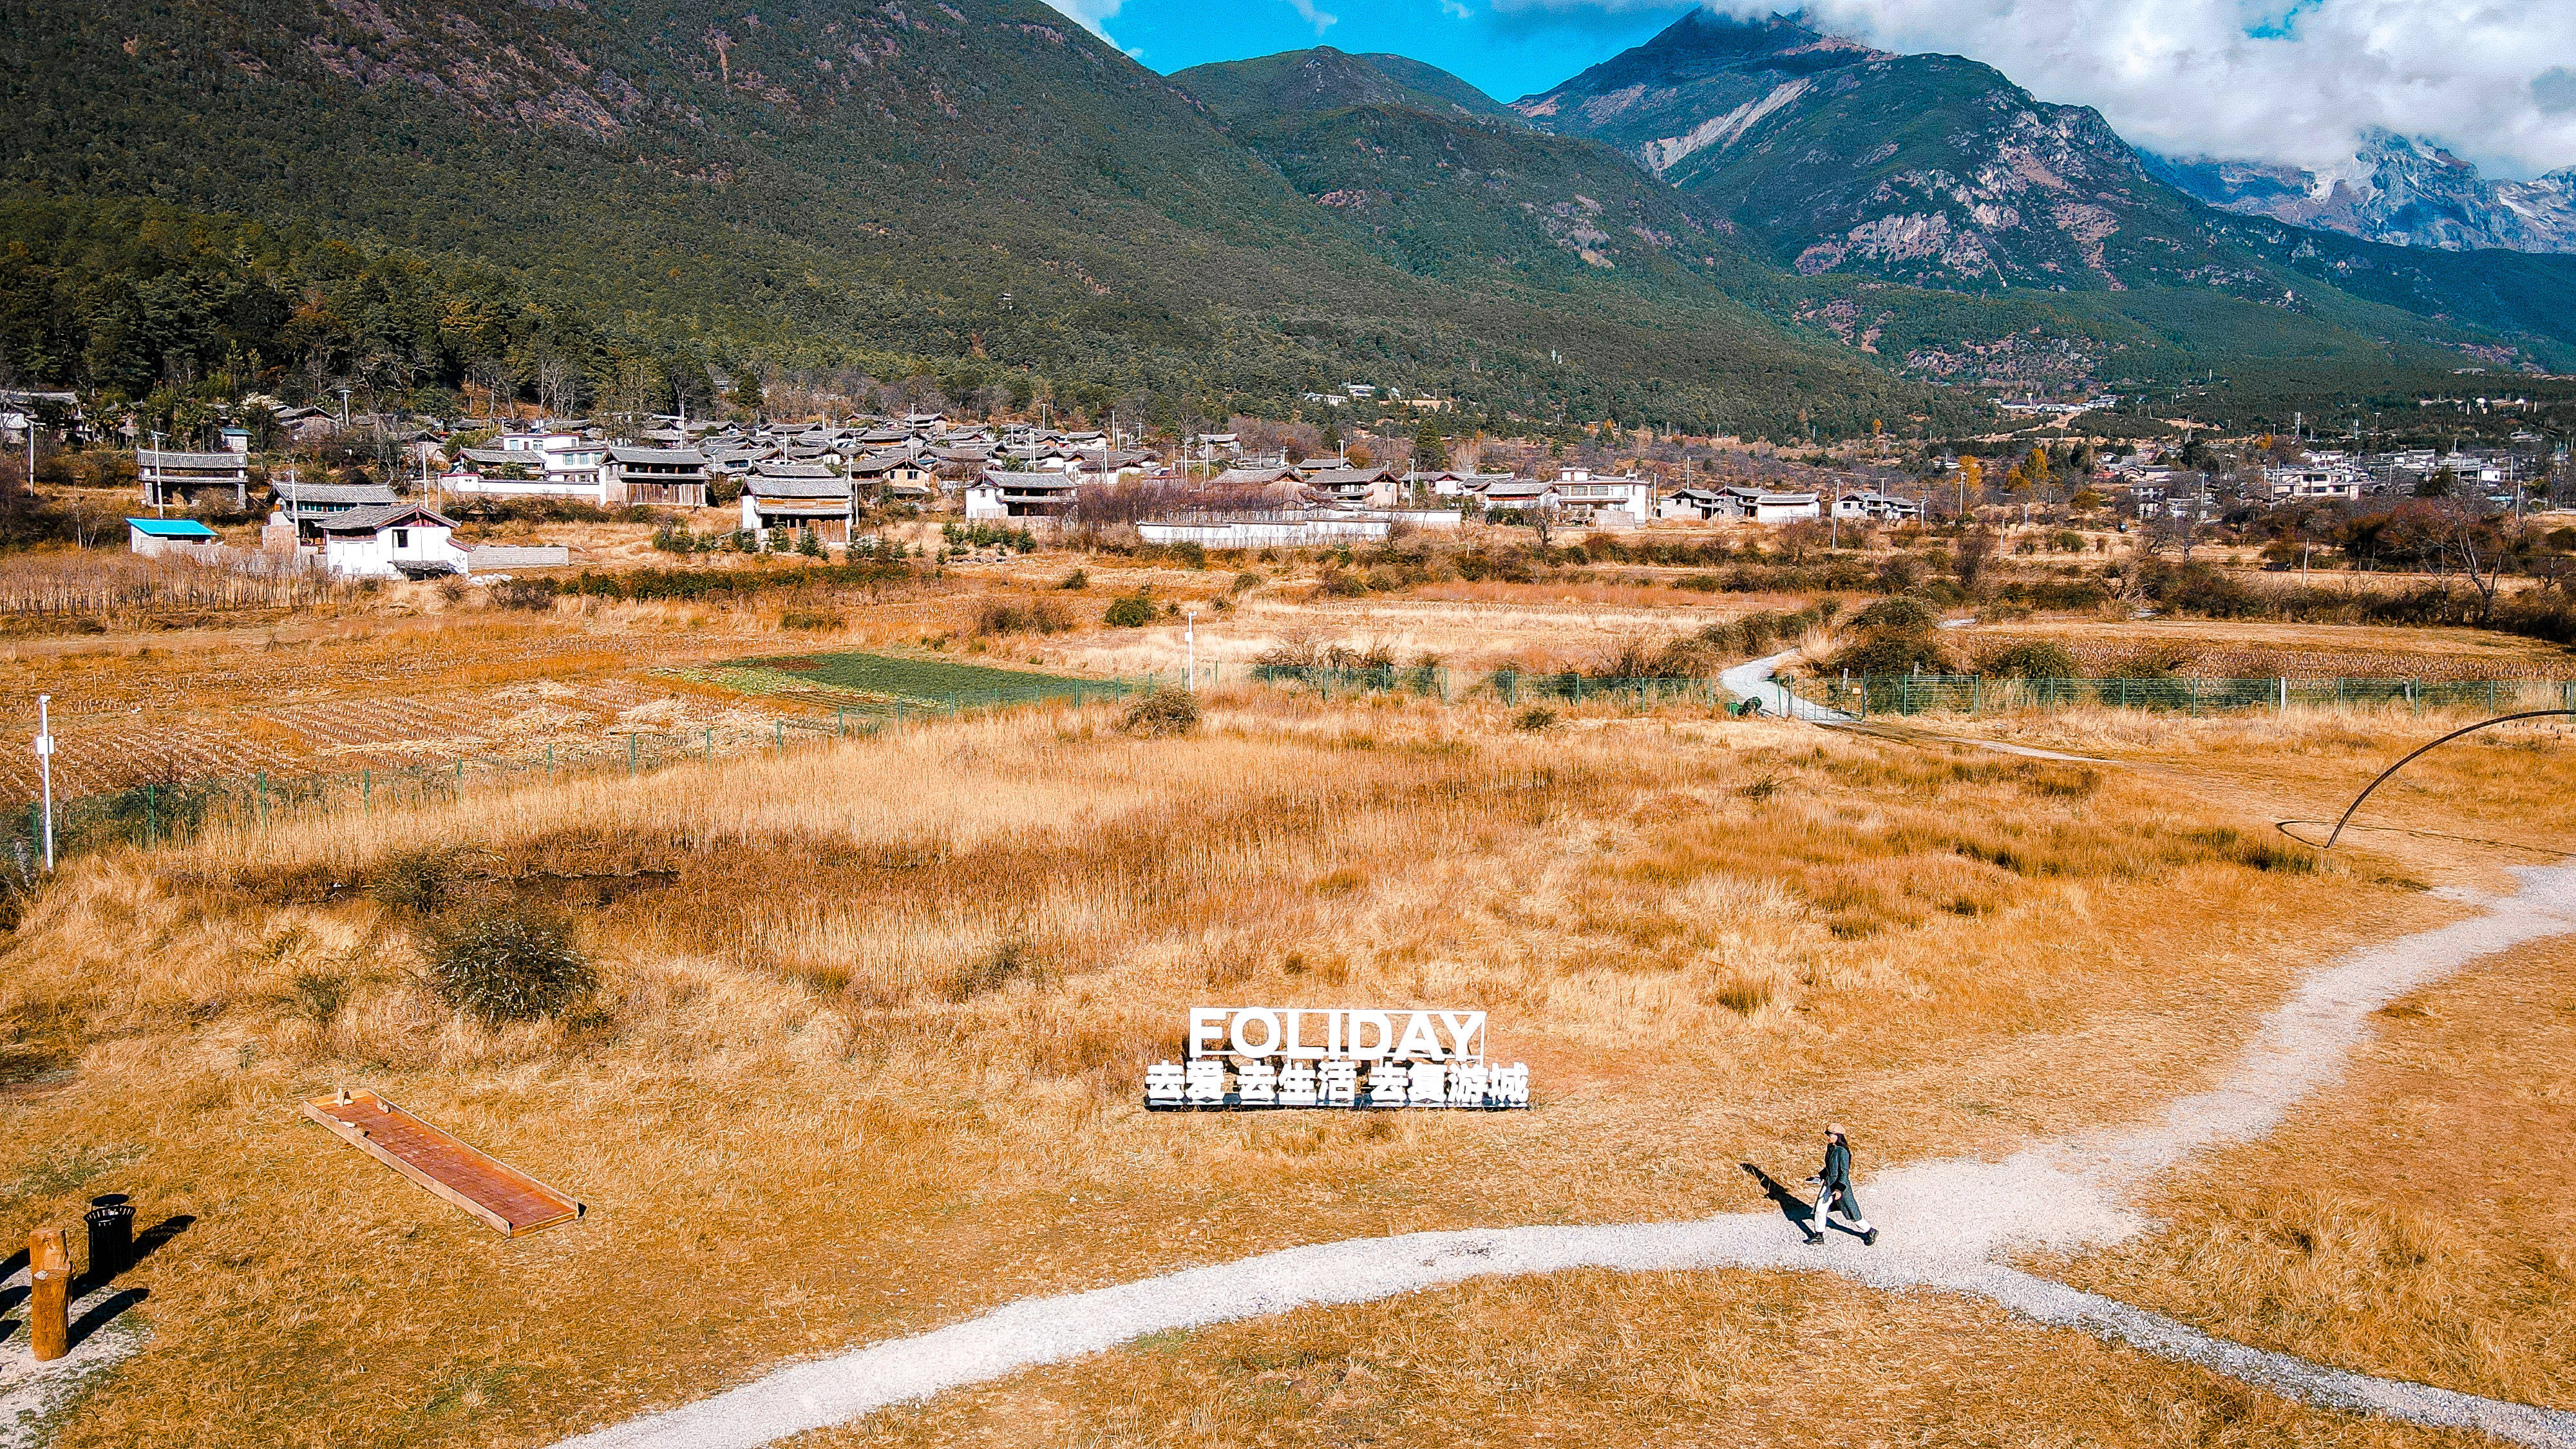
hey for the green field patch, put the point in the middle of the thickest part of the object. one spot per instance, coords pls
(885, 680)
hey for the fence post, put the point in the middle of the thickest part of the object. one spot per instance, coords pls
(782, 733)
(550, 759)
(148, 803)
(367, 791)
(263, 799)
(2285, 695)
(49, 1283)
(630, 757)
(1976, 694)
(840, 721)
(711, 743)
(460, 779)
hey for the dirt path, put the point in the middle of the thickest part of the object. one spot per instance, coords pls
(1947, 1225)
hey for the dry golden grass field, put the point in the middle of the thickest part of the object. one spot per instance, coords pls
(866, 1052)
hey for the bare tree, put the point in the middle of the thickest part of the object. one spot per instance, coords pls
(2470, 542)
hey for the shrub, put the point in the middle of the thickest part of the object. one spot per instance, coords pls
(508, 963)
(1130, 611)
(1244, 582)
(529, 594)
(420, 882)
(2029, 659)
(1898, 616)
(1537, 719)
(812, 620)
(1886, 654)
(1167, 711)
(1343, 584)
(1076, 581)
(1038, 616)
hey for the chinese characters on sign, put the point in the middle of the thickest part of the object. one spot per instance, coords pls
(1265, 1057)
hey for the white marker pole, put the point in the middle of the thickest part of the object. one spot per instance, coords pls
(45, 763)
(1190, 643)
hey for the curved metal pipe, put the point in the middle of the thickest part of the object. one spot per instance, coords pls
(2444, 740)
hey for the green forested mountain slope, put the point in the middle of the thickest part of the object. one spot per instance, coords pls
(1325, 79)
(819, 179)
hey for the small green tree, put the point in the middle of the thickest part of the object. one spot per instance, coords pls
(1430, 450)
(1129, 611)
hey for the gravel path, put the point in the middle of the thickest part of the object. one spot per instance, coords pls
(1946, 1226)
(1754, 681)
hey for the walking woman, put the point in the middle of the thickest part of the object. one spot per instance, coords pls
(1835, 1190)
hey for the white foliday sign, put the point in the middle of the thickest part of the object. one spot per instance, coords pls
(1267, 1057)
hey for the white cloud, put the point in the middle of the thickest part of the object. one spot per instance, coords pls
(2280, 80)
(1095, 16)
(1321, 20)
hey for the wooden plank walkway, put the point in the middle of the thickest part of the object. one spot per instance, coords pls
(490, 1189)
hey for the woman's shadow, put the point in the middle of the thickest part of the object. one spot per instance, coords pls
(1801, 1213)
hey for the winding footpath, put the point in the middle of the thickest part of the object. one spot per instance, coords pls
(1947, 1226)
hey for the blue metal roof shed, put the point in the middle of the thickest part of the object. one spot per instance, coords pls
(178, 530)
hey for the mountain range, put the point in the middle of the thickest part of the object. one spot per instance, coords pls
(2402, 190)
(1738, 226)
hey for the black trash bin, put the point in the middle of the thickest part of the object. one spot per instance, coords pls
(111, 1240)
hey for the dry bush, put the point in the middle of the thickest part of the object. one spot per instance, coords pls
(501, 964)
(1034, 616)
(1165, 712)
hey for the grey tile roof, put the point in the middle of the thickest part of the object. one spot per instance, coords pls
(192, 462)
(385, 515)
(296, 493)
(660, 457)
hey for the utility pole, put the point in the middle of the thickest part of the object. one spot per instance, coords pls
(160, 496)
(45, 763)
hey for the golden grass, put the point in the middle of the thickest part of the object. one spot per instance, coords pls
(1599, 1358)
(2224, 649)
(868, 1050)
(2418, 1220)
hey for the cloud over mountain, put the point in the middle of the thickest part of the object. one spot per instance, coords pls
(2296, 82)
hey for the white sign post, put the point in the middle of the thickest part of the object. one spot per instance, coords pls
(45, 765)
(1313, 1056)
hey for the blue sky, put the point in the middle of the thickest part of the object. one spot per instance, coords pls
(1508, 53)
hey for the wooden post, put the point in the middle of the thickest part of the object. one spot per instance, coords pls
(49, 1299)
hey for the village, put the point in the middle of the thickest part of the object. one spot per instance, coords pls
(754, 484)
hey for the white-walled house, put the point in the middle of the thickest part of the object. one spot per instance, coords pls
(798, 496)
(1737, 502)
(1868, 505)
(533, 465)
(1614, 502)
(395, 540)
(1036, 494)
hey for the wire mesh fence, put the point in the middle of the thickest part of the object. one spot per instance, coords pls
(1912, 694)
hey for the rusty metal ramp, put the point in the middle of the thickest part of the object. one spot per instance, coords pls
(490, 1189)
